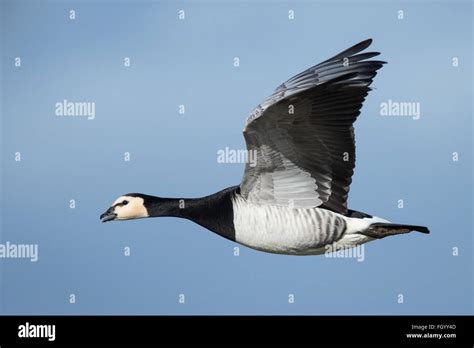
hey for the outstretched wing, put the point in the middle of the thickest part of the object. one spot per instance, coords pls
(303, 137)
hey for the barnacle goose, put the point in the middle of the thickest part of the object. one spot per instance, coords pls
(294, 199)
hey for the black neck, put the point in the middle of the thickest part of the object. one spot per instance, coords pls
(213, 212)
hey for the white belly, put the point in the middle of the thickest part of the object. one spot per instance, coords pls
(285, 230)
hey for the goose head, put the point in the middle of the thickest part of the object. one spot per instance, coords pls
(126, 207)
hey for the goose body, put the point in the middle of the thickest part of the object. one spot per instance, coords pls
(300, 231)
(293, 198)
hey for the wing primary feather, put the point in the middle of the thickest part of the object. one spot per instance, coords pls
(306, 158)
(350, 51)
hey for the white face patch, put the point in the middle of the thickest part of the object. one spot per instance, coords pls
(134, 209)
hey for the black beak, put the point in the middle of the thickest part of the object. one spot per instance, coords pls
(109, 215)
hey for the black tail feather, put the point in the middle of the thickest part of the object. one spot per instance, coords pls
(421, 229)
(380, 229)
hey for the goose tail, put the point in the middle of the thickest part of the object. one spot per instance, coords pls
(381, 229)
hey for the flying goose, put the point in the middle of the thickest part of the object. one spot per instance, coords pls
(294, 199)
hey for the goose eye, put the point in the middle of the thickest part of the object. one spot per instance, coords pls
(125, 202)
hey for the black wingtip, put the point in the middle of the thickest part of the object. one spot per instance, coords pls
(365, 43)
(360, 46)
(351, 50)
